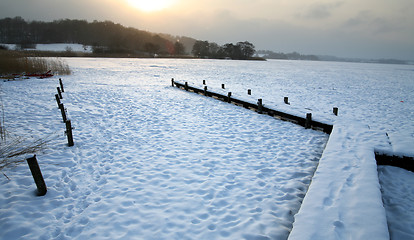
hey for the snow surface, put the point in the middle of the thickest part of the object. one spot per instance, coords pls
(154, 162)
(398, 196)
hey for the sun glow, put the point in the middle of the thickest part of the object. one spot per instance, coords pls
(150, 5)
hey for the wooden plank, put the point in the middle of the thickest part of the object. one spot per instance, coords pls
(402, 162)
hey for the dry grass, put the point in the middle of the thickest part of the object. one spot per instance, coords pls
(13, 150)
(15, 62)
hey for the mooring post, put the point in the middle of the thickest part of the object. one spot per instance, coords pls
(335, 111)
(57, 100)
(69, 133)
(59, 92)
(205, 90)
(172, 82)
(308, 122)
(204, 82)
(37, 175)
(61, 85)
(63, 112)
(260, 105)
(249, 91)
(228, 97)
(222, 86)
(286, 100)
(186, 86)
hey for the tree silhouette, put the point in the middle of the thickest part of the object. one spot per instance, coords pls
(179, 48)
(246, 49)
(201, 49)
(105, 36)
(242, 50)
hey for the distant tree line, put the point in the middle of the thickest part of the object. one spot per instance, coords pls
(104, 36)
(240, 50)
(288, 56)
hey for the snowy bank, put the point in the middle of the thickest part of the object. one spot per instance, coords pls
(344, 199)
(57, 47)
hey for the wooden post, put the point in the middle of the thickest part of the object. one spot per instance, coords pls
(69, 133)
(249, 91)
(204, 82)
(57, 100)
(63, 111)
(260, 105)
(61, 85)
(172, 82)
(59, 92)
(308, 122)
(205, 90)
(335, 111)
(222, 86)
(37, 175)
(186, 86)
(286, 100)
(228, 97)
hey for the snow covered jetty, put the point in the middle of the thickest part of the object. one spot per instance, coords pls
(344, 200)
(306, 122)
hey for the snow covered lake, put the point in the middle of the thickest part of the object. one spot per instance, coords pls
(154, 162)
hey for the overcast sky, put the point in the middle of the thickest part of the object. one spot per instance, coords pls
(344, 28)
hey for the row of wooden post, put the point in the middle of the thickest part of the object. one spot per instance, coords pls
(249, 92)
(68, 123)
(307, 122)
(32, 161)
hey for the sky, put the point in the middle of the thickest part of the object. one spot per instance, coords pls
(343, 28)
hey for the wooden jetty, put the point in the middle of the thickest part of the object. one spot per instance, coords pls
(306, 122)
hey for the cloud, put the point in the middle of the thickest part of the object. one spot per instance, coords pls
(320, 10)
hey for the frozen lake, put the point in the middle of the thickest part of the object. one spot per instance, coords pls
(156, 162)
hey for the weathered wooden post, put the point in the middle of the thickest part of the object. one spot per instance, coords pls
(249, 91)
(260, 105)
(186, 86)
(335, 111)
(61, 85)
(308, 122)
(63, 112)
(59, 92)
(69, 133)
(204, 82)
(222, 86)
(205, 90)
(57, 100)
(286, 100)
(228, 97)
(172, 82)
(37, 175)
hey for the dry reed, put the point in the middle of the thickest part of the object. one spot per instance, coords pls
(12, 149)
(15, 62)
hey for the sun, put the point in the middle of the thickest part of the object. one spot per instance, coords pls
(150, 5)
